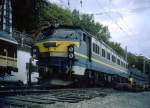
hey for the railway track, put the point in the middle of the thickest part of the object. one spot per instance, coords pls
(28, 98)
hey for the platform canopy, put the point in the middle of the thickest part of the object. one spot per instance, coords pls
(6, 37)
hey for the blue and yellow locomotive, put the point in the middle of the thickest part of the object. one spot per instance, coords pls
(71, 53)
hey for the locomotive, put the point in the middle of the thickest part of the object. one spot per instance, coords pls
(72, 54)
(8, 54)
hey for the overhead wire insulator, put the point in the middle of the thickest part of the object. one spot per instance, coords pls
(81, 3)
(68, 3)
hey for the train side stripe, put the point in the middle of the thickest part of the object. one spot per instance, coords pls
(97, 61)
(81, 55)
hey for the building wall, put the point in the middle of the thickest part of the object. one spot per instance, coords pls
(22, 59)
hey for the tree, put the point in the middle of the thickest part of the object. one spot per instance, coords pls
(117, 47)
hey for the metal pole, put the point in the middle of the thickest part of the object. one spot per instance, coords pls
(29, 75)
(143, 65)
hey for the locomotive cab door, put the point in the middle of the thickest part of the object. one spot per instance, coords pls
(89, 48)
(87, 39)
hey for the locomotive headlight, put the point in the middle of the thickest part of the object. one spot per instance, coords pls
(71, 55)
(71, 52)
(34, 56)
(71, 49)
(34, 52)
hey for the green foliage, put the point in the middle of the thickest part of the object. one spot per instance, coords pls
(57, 15)
(117, 47)
(136, 61)
(132, 59)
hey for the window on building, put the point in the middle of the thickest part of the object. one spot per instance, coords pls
(103, 52)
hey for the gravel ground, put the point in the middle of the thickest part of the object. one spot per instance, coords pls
(112, 99)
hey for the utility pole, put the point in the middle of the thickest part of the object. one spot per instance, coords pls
(69, 4)
(30, 71)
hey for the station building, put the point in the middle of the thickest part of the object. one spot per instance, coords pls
(24, 44)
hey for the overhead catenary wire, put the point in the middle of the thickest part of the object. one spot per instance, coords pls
(109, 16)
(133, 10)
(122, 18)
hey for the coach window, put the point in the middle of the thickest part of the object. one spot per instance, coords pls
(97, 49)
(108, 56)
(121, 63)
(113, 58)
(118, 61)
(94, 47)
(103, 52)
(126, 65)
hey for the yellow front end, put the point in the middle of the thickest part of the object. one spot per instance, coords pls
(59, 49)
(53, 58)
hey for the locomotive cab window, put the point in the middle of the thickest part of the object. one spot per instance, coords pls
(60, 33)
(84, 37)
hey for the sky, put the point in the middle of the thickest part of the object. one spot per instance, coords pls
(128, 20)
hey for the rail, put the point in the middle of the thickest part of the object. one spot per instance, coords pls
(47, 97)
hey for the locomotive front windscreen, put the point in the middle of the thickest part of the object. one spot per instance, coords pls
(64, 33)
(59, 34)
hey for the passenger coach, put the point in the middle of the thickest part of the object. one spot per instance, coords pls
(70, 53)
